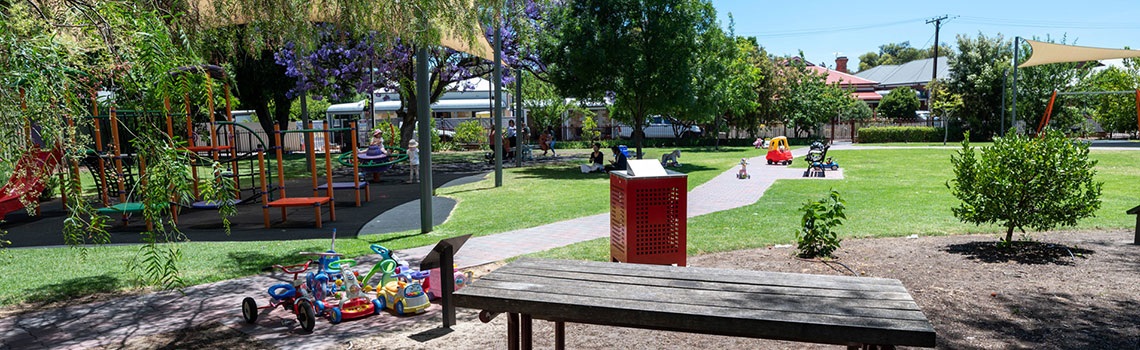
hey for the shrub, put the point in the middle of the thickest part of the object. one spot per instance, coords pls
(470, 131)
(590, 132)
(1020, 182)
(899, 103)
(815, 237)
(880, 134)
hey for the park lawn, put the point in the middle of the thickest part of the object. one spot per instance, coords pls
(889, 193)
(541, 194)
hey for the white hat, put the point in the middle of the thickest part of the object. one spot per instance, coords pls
(413, 143)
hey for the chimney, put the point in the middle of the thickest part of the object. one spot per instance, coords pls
(841, 64)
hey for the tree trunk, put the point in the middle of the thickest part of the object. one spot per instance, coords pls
(1009, 234)
(408, 128)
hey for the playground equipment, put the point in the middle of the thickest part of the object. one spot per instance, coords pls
(122, 165)
(286, 202)
(372, 162)
(778, 151)
(357, 185)
(28, 177)
(28, 180)
(226, 152)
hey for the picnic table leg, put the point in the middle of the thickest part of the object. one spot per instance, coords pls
(513, 331)
(559, 335)
(527, 334)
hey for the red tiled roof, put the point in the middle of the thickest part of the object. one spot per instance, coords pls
(843, 79)
(867, 96)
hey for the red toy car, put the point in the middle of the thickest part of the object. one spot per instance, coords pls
(778, 152)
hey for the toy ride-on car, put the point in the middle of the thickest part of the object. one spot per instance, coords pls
(778, 152)
(290, 296)
(405, 296)
(353, 303)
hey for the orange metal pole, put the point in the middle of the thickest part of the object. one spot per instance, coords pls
(233, 144)
(328, 175)
(1048, 111)
(118, 160)
(264, 188)
(280, 165)
(99, 148)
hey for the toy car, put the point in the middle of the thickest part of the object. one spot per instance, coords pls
(404, 297)
(354, 304)
(778, 152)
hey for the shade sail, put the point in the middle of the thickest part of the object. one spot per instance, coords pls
(1045, 53)
(212, 13)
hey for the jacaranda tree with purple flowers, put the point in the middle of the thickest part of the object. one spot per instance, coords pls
(338, 67)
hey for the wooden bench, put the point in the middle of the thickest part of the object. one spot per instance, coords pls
(859, 312)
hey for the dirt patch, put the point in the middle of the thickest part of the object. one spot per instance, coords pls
(977, 295)
(207, 336)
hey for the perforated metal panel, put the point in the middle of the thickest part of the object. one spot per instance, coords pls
(648, 219)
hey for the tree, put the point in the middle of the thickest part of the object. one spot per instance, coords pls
(808, 101)
(900, 103)
(1022, 182)
(1116, 112)
(892, 54)
(765, 89)
(976, 72)
(640, 53)
(859, 110)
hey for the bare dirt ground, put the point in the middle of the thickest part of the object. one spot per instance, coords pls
(1066, 290)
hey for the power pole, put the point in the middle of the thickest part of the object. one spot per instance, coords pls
(934, 74)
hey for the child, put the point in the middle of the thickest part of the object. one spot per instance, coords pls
(413, 161)
(743, 174)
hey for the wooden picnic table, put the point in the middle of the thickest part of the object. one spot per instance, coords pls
(853, 311)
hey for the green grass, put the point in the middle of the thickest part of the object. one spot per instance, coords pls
(531, 196)
(889, 193)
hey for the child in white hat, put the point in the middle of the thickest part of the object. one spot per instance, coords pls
(413, 161)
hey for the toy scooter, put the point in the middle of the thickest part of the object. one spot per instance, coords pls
(743, 173)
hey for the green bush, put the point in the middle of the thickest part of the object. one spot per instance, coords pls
(815, 237)
(1021, 182)
(881, 134)
(900, 103)
(470, 131)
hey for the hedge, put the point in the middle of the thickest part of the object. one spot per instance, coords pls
(900, 134)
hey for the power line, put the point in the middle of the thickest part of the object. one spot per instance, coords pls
(1047, 24)
(827, 30)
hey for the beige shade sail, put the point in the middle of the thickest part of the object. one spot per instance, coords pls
(1045, 53)
(216, 13)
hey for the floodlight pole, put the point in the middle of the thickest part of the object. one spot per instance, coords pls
(423, 111)
(1004, 75)
(519, 124)
(497, 143)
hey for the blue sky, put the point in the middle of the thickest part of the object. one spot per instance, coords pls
(851, 28)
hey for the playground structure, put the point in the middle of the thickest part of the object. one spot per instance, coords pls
(28, 178)
(315, 201)
(363, 163)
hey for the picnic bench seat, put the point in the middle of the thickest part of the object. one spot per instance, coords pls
(844, 310)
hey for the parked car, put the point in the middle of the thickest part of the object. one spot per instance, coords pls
(658, 127)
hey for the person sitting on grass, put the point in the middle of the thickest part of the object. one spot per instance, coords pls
(596, 160)
(620, 162)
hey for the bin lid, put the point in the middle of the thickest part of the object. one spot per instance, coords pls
(645, 168)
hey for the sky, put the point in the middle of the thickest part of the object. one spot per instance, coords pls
(824, 29)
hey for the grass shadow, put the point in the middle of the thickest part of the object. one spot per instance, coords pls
(74, 288)
(1022, 252)
(394, 238)
(252, 262)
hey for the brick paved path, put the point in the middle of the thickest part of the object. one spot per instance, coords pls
(112, 323)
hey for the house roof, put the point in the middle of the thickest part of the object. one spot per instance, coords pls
(911, 73)
(844, 79)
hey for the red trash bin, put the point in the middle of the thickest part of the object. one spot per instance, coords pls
(648, 218)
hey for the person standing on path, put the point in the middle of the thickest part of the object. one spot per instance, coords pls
(413, 161)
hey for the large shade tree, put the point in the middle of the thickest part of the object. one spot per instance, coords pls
(976, 73)
(638, 52)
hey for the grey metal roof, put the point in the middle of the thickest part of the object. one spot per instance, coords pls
(911, 73)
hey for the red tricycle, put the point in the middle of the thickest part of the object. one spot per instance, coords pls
(290, 296)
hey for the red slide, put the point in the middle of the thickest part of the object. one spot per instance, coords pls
(27, 180)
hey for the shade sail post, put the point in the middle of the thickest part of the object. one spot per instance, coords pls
(1013, 102)
(498, 111)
